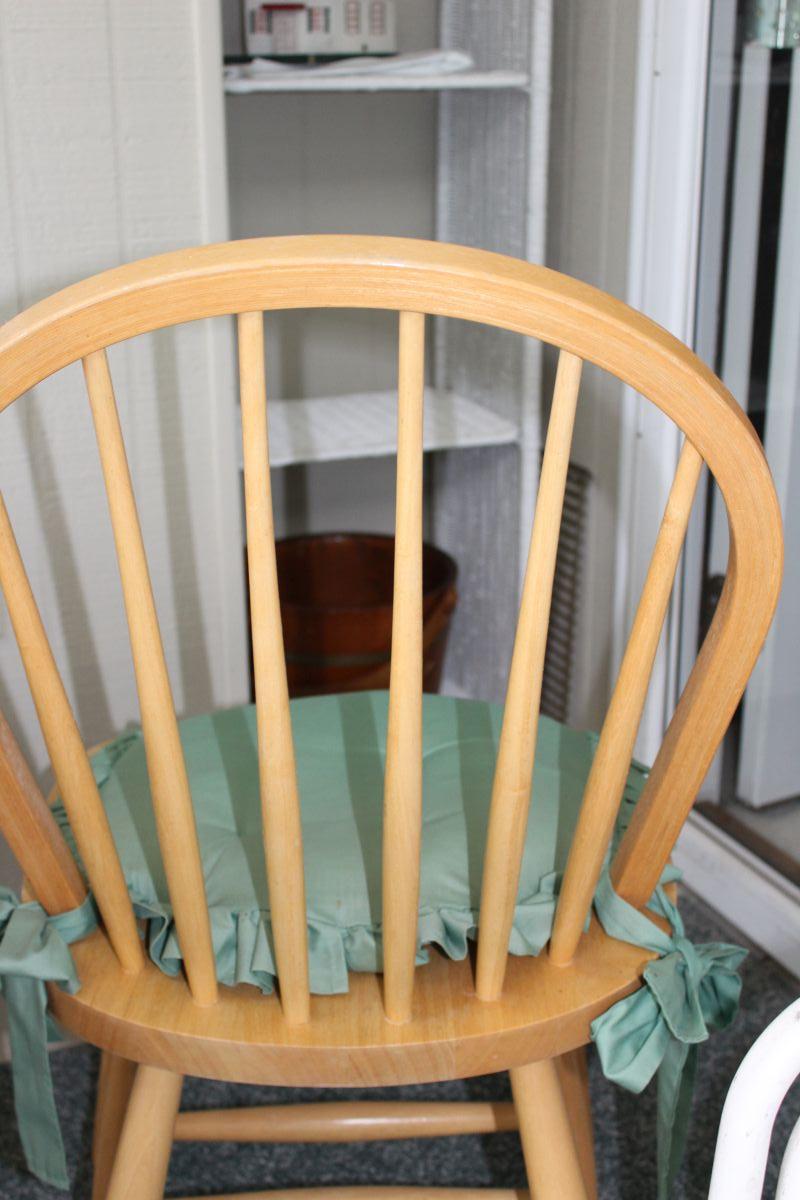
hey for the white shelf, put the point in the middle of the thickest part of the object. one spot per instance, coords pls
(380, 82)
(364, 425)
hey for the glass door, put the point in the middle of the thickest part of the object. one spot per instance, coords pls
(748, 328)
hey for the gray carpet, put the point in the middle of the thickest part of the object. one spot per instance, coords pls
(624, 1124)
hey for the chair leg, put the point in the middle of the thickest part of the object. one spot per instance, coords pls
(551, 1157)
(140, 1165)
(573, 1074)
(113, 1090)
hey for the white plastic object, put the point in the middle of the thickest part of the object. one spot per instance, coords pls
(766, 1073)
(789, 1179)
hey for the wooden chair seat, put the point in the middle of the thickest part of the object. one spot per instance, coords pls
(544, 1011)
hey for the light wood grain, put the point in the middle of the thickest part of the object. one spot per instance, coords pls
(573, 1076)
(169, 784)
(142, 1158)
(511, 791)
(345, 1121)
(551, 1158)
(611, 763)
(31, 831)
(473, 285)
(704, 711)
(280, 803)
(544, 1011)
(402, 803)
(71, 766)
(113, 1092)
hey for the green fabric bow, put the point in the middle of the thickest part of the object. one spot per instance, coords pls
(688, 991)
(34, 947)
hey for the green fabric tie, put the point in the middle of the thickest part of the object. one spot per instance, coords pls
(688, 991)
(34, 947)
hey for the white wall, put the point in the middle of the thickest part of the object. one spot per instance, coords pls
(594, 84)
(109, 151)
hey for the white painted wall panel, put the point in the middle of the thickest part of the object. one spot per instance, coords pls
(669, 121)
(111, 149)
(594, 84)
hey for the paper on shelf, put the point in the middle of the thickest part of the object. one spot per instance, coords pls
(420, 62)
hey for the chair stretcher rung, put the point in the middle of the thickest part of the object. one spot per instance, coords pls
(346, 1121)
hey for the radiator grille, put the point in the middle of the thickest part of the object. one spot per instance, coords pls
(560, 654)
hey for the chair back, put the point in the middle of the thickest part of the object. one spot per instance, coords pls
(413, 278)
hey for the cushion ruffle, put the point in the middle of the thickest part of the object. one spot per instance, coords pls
(340, 748)
(244, 951)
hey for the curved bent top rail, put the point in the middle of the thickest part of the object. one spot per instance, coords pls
(452, 281)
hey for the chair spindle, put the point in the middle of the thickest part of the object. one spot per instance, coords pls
(547, 1132)
(169, 784)
(612, 758)
(511, 791)
(703, 713)
(402, 802)
(280, 803)
(31, 831)
(71, 767)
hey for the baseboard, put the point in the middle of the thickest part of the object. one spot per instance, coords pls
(742, 888)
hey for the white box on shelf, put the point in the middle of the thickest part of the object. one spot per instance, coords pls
(333, 28)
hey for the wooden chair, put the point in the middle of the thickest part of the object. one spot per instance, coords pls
(530, 1015)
